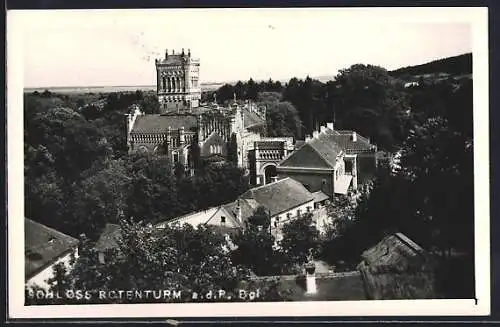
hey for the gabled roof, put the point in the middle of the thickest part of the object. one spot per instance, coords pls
(280, 196)
(157, 123)
(397, 268)
(395, 250)
(43, 246)
(320, 196)
(248, 208)
(320, 152)
(344, 139)
(108, 238)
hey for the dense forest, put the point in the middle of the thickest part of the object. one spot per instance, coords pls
(79, 177)
(457, 65)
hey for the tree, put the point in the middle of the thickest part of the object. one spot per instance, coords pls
(152, 194)
(149, 104)
(438, 162)
(300, 239)
(100, 198)
(179, 258)
(256, 246)
(370, 101)
(225, 93)
(252, 90)
(282, 119)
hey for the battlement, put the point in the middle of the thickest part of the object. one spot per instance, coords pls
(181, 57)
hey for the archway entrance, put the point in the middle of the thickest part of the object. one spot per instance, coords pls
(269, 173)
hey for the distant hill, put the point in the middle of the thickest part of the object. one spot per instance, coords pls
(457, 65)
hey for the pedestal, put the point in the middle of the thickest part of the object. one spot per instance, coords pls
(310, 279)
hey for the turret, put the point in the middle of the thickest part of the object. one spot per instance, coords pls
(182, 136)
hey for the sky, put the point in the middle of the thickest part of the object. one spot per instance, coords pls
(118, 47)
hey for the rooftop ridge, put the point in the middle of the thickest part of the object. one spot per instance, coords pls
(332, 165)
(272, 183)
(52, 230)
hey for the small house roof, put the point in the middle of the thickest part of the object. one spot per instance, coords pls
(43, 246)
(320, 196)
(279, 196)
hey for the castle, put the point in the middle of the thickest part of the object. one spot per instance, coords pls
(185, 124)
(186, 129)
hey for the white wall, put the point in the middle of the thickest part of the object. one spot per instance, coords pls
(41, 279)
(193, 219)
(283, 219)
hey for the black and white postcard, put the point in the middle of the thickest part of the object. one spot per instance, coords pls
(258, 162)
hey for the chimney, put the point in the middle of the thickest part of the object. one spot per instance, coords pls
(238, 211)
(310, 279)
(354, 137)
(315, 134)
(166, 54)
(182, 136)
(308, 138)
(329, 126)
(322, 129)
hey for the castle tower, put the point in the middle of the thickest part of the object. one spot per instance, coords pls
(177, 81)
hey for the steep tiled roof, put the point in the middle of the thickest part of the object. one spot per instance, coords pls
(326, 147)
(320, 196)
(43, 246)
(158, 123)
(316, 153)
(108, 238)
(279, 196)
(251, 119)
(393, 250)
(397, 268)
(345, 141)
(248, 208)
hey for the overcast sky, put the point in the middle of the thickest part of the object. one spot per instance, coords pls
(91, 48)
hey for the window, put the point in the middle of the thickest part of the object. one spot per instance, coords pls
(298, 212)
(176, 157)
(223, 220)
(323, 181)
